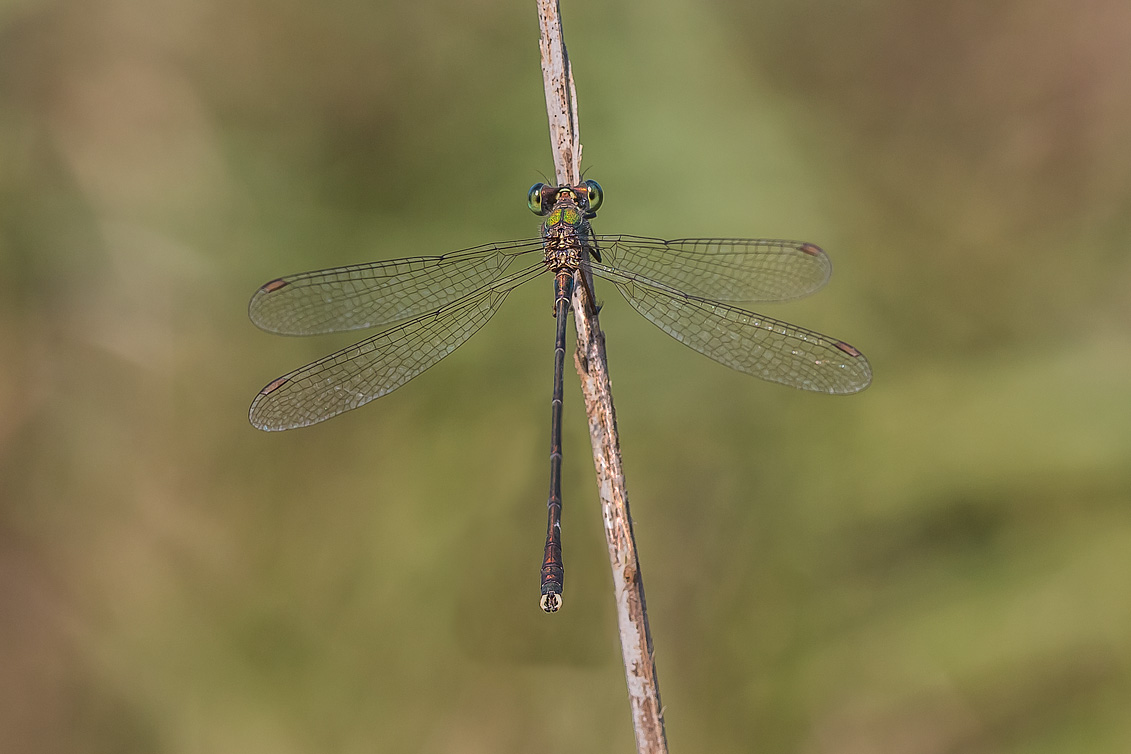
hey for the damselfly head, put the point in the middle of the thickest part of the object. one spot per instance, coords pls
(588, 196)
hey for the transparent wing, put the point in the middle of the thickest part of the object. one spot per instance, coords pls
(759, 346)
(723, 269)
(379, 293)
(378, 365)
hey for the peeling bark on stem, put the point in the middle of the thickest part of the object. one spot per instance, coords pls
(592, 369)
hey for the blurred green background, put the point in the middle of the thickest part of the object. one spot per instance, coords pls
(937, 565)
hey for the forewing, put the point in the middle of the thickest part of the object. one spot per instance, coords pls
(760, 346)
(379, 293)
(723, 269)
(378, 365)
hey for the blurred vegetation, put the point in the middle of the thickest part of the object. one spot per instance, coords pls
(939, 564)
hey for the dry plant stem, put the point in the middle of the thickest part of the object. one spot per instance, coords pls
(592, 368)
(561, 97)
(628, 583)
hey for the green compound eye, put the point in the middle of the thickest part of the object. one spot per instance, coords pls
(534, 199)
(594, 194)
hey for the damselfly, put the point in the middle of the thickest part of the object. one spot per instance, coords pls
(427, 307)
